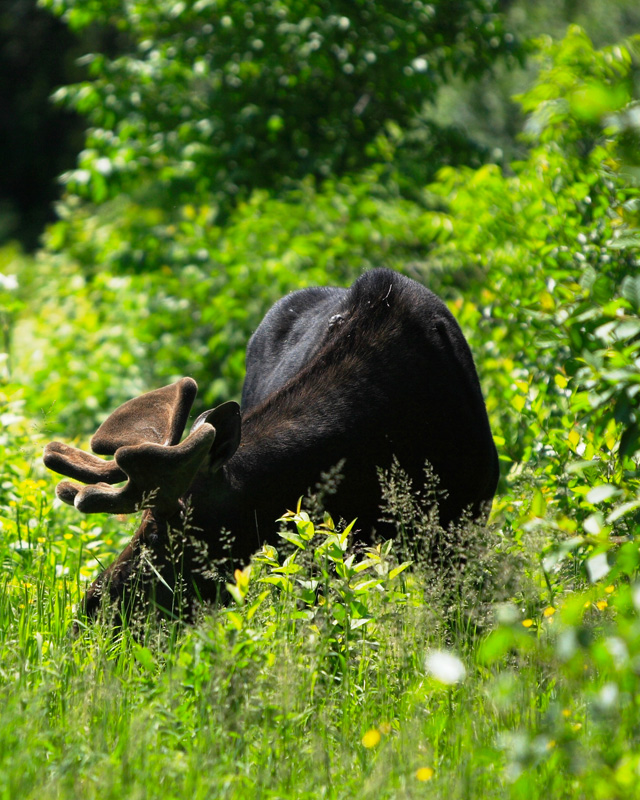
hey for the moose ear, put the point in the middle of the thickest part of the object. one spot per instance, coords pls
(226, 421)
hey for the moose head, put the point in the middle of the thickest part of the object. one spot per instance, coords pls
(143, 436)
(154, 467)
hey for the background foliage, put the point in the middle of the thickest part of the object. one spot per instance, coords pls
(222, 98)
(191, 209)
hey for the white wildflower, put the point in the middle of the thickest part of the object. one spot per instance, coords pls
(445, 667)
(8, 282)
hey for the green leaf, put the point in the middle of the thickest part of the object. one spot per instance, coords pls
(628, 329)
(358, 623)
(597, 567)
(538, 504)
(235, 619)
(144, 657)
(625, 242)
(294, 538)
(605, 491)
(365, 586)
(497, 645)
(288, 568)
(362, 565)
(340, 614)
(594, 100)
(630, 289)
(397, 570)
(278, 580)
(235, 592)
(623, 510)
(345, 534)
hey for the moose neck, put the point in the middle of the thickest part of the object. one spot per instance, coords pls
(272, 467)
(267, 475)
(362, 412)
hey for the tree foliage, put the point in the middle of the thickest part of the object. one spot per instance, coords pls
(556, 245)
(220, 97)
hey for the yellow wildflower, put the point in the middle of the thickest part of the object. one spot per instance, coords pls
(371, 738)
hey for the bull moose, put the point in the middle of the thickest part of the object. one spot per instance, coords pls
(359, 376)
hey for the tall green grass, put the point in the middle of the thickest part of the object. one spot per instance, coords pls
(462, 681)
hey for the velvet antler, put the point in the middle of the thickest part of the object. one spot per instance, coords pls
(143, 435)
(159, 417)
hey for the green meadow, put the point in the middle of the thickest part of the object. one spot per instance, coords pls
(483, 661)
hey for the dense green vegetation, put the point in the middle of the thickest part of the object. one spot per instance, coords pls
(335, 672)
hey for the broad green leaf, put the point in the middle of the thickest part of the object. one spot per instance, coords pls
(294, 538)
(397, 570)
(145, 658)
(605, 491)
(358, 623)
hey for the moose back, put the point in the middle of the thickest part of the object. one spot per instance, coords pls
(354, 376)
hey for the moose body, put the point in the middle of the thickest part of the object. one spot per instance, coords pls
(355, 377)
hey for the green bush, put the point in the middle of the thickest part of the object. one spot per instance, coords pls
(105, 335)
(552, 252)
(215, 98)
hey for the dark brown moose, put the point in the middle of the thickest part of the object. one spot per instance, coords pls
(358, 376)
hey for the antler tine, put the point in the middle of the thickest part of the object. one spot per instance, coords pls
(81, 466)
(112, 499)
(158, 476)
(143, 435)
(67, 491)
